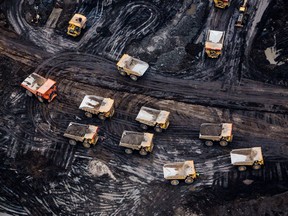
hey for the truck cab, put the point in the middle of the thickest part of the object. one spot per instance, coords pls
(76, 24)
(222, 3)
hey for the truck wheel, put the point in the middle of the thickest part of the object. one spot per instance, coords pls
(72, 142)
(143, 152)
(143, 126)
(89, 115)
(158, 129)
(256, 167)
(86, 144)
(40, 99)
(174, 182)
(29, 93)
(242, 168)
(101, 116)
(189, 180)
(133, 77)
(208, 143)
(123, 73)
(128, 151)
(223, 143)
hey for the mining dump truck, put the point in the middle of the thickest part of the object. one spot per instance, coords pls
(222, 3)
(95, 105)
(247, 157)
(211, 133)
(242, 14)
(142, 142)
(132, 67)
(180, 171)
(76, 24)
(214, 43)
(42, 88)
(87, 134)
(159, 119)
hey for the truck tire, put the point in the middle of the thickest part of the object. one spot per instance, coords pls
(133, 77)
(128, 151)
(72, 142)
(88, 114)
(158, 129)
(143, 126)
(209, 143)
(174, 182)
(242, 168)
(102, 116)
(189, 180)
(223, 143)
(256, 167)
(143, 152)
(86, 144)
(123, 73)
(29, 93)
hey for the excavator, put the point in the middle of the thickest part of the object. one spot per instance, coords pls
(222, 3)
(242, 13)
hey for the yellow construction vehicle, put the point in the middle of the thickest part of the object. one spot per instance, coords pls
(214, 43)
(222, 3)
(241, 18)
(76, 24)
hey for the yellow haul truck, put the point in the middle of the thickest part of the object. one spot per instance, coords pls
(76, 24)
(142, 142)
(247, 157)
(128, 65)
(95, 105)
(211, 133)
(180, 171)
(222, 3)
(87, 134)
(159, 119)
(214, 43)
(242, 14)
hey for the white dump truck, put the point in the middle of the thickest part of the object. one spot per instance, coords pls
(211, 132)
(159, 119)
(95, 105)
(142, 142)
(214, 43)
(133, 67)
(180, 171)
(87, 134)
(247, 157)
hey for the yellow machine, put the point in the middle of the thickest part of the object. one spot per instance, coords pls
(222, 3)
(214, 43)
(241, 18)
(76, 24)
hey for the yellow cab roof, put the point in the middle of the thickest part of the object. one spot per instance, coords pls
(75, 20)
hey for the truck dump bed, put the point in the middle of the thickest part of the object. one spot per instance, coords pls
(33, 82)
(179, 170)
(246, 156)
(137, 66)
(214, 40)
(80, 131)
(136, 140)
(215, 130)
(96, 104)
(151, 116)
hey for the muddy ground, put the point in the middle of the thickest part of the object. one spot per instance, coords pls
(41, 174)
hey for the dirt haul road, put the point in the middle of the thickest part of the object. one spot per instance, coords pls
(41, 174)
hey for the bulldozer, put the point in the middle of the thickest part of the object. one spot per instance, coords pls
(133, 67)
(180, 171)
(214, 43)
(222, 3)
(76, 24)
(247, 157)
(242, 14)
(211, 132)
(159, 119)
(42, 88)
(96, 105)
